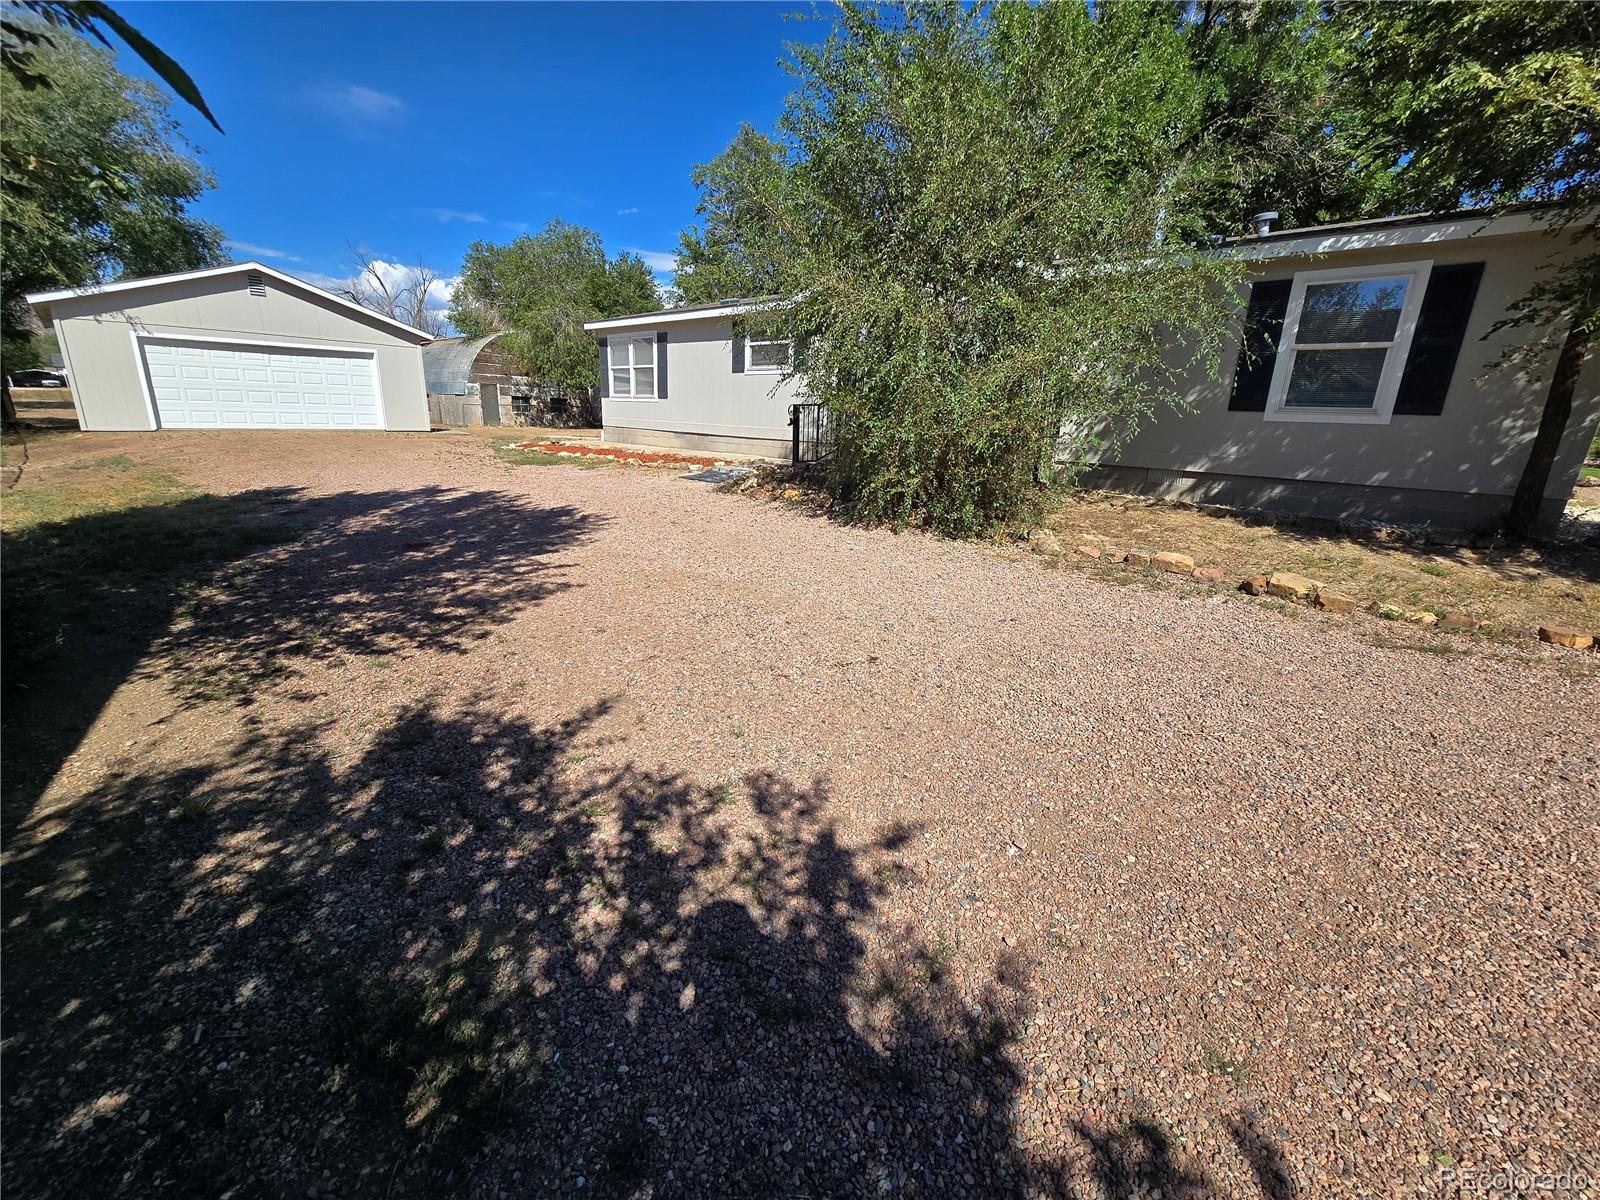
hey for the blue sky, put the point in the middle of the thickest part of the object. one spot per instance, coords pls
(413, 129)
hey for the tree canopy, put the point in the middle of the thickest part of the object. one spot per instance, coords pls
(540, 289)
(727, 254)
(986, 224)
(989, 220)
(95, 179)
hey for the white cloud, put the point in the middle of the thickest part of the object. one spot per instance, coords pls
(659, 261)
(394, 275)
(255, 251)
(626, 212)
(358, 106)
(450, 214)
(517, 226)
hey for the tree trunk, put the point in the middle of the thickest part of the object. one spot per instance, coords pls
(8, 410)
(1525, 505)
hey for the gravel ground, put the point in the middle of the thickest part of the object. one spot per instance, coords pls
(536, 831)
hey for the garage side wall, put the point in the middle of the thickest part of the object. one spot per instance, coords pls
(106, 374)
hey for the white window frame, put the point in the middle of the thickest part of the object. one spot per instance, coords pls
(1394, 364)
(749, 359)
(632, 368)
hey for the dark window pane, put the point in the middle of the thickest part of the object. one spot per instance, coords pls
(1363, 310)
(1335, 378)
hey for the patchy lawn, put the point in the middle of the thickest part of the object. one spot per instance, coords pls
(1519, 588)
(383, 819)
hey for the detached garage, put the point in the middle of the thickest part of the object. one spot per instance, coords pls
(243, 346)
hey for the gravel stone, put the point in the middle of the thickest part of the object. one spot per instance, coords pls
(691, 814)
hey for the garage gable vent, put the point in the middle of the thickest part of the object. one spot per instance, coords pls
(257, 284)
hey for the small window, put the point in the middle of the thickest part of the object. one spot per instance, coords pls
(770, 356)
(1346, 334)
(633, 367)
(256, 284)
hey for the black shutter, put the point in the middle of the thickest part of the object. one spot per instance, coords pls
(1436, 344)
(661, 364)
(1258, 345)
(605, 374)
(738, 350)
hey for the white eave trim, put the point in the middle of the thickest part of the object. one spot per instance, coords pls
(1336, 241)
(41, 301)
(671, 316)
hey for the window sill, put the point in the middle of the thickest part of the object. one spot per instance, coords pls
(765, 370)
(1328, 416)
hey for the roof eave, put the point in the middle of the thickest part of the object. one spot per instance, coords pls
(675, 316)
(41, 301)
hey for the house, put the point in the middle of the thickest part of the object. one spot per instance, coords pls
(689, 378)
(1368, 394)
(241, 346)
(471, 381)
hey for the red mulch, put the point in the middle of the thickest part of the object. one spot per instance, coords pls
(669, 457)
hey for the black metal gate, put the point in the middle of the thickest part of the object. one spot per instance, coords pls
(811, 432)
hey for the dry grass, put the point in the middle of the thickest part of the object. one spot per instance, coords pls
(1514, 586)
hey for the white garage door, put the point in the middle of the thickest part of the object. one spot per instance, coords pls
(204, 385)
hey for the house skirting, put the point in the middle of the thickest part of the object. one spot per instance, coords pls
(705, 443)
(1468, 511)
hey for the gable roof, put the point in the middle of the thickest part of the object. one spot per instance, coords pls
(41, 301)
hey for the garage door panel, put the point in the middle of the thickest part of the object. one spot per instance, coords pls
(206, 385)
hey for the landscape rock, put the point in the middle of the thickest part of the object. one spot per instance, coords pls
(1335, 602)
(1455, 619)
(1116, 556)
(1178, 564)
(1089, 551)
(1391, 612)
(791, 493)
(1042, 541)
(1137, 558)
(1423, 618)
(1562, 635)
(1207, 574)
(1289, 586)
(1256, 585)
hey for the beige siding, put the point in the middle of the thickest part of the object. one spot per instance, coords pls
(704, 395)
(1478, 445)
(96, 339)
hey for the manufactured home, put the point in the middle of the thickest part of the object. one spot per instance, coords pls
(1370, 389)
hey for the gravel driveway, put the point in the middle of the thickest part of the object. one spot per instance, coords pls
(537, 831)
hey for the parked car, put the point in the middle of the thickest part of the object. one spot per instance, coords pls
(38, 379)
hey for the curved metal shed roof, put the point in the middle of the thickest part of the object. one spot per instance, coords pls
(447, 363)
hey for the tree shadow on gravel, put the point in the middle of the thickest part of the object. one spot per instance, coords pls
(462, 958)
(223, 595)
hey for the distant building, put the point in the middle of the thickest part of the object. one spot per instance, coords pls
(471, 382)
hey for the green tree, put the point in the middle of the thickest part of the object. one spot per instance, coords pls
(539, 290)
(95, 180)
(1262, 127)
(731, 252)
(28, 25)
(1271, 129)
(1495, 103)
(986, 232)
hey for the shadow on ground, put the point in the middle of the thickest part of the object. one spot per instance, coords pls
(454, 952)
(460, 959)
(221, 595)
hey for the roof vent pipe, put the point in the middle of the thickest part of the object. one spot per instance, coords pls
(1263, 222)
